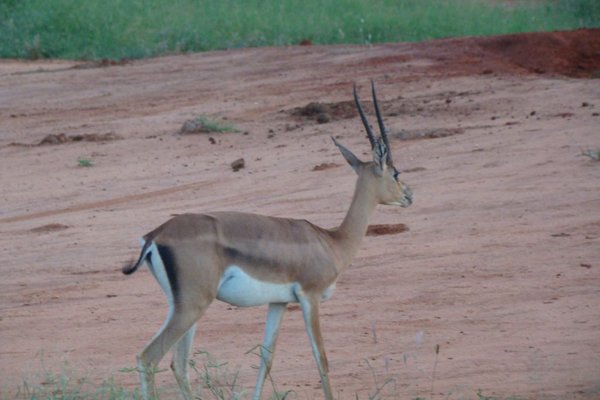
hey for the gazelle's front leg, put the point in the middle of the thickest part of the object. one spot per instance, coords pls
(267, 350)
(310, 311)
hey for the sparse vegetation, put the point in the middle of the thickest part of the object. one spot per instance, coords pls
(84, 162)
(481, 396)
(66, 385)
(205, 125)
(213, 380)
(117, 29)
(591, 154)
(217, 381)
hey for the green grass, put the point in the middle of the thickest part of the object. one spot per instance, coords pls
(593, 155)
(117, 29)
(209, 125)
(206, 125)
(84, 162)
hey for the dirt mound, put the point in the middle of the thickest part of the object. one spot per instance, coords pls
(574, 53)
(61, 138)
(325, 166)
(386, 229)
(568, 53)
(54, 227)
(430, 133)
(105, 62)
(326, 112)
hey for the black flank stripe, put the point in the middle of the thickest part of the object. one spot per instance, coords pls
(166, 254)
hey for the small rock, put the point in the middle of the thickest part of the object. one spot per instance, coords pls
(192, 126)
(238, 164)
(323, 118)
(312, 109)
(324, 166)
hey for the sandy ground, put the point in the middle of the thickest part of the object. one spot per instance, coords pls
(499, 266)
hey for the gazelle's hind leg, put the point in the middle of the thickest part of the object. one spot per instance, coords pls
(183, 314)
(179, 323)
(180, 363)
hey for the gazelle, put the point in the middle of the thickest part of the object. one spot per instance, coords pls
(250, 260)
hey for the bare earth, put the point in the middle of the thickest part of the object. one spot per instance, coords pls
(498, 262)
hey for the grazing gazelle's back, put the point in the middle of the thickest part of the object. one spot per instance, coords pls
(250, 260)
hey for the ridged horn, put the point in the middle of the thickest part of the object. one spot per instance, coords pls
(380, 123)
(363, 117)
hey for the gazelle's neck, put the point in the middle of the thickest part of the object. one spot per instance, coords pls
(354, 227)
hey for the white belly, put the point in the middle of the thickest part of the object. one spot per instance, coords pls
(240, 289)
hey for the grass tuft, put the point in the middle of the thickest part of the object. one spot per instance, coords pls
(66, 385)
(593, 155)
(216, 126)
(85, 162)
(205, 125)
(216, 379)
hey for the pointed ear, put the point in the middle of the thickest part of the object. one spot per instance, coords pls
(354, 162)
(380, 155)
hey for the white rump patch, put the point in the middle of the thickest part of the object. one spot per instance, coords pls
(157, 267)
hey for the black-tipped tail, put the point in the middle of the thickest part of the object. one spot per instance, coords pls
(130, 267)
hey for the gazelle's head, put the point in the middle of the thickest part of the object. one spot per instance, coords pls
(383, 177)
